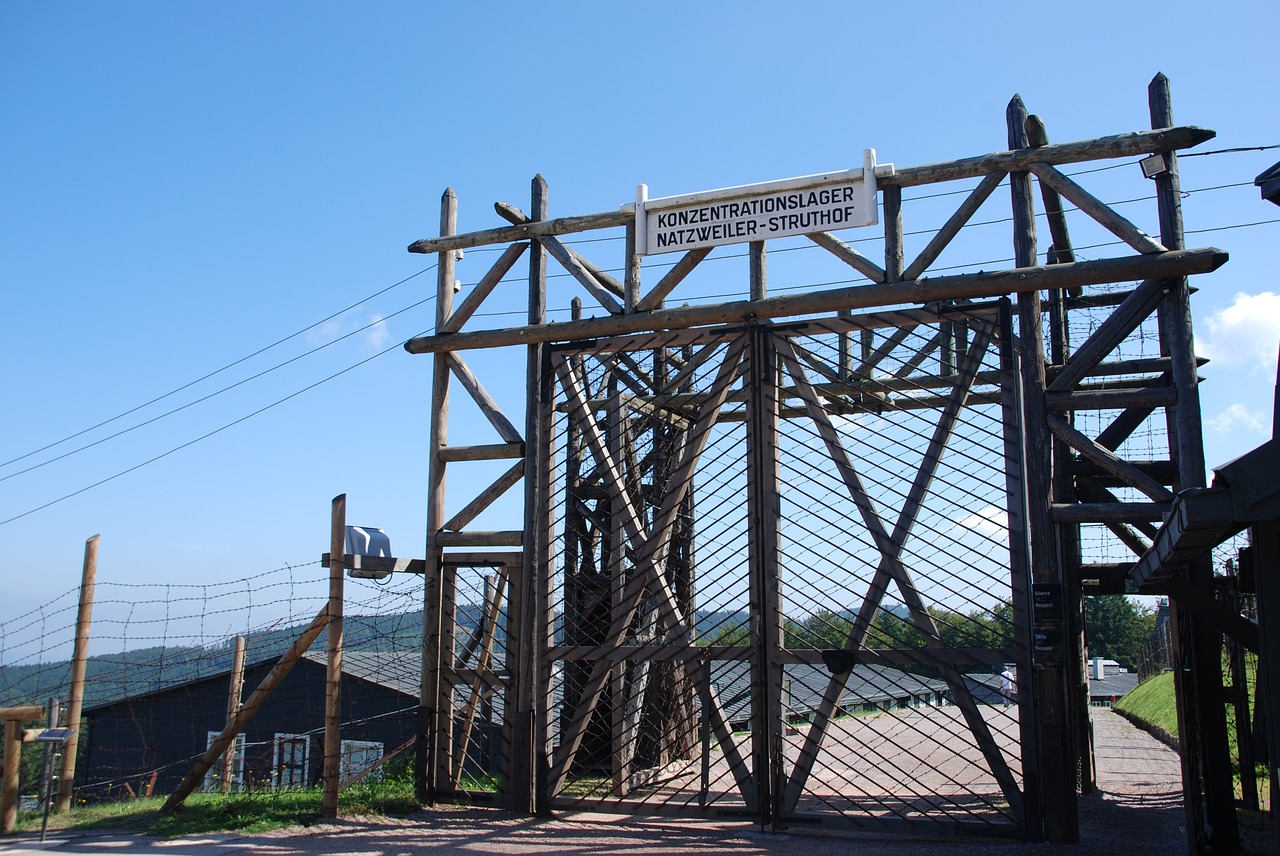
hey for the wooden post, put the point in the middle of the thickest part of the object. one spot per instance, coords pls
(79, 661)
(756, 256)
(530, 762)
(12, 762)
(234, 692)
(1056, 742)
(1061, 251)
(426, 748)
(1202, 727)
(333, 673)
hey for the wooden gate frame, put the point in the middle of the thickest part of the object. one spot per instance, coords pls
(1061, 498)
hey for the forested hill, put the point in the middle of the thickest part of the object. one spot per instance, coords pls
(143, 670)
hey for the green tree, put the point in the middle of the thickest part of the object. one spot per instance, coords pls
(1117, 628)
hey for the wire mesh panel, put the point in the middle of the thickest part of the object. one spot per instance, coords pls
(779, 575)
(649, 701)
(898, 675)
(479, 689)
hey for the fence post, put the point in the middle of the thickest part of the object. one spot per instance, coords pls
(333, 676)
(79, 661)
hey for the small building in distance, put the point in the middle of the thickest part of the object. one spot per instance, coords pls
(147, 743)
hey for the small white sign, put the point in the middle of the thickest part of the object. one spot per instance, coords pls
(758, 212)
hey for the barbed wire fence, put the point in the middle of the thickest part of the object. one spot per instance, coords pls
(159, 674)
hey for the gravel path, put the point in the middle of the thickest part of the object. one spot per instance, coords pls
(1138, 812)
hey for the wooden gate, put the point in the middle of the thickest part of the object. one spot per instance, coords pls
(835, 639)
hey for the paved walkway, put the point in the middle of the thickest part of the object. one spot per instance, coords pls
(1138, 812)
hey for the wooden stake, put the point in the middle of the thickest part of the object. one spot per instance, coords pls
(79, 662)
(333, 674)
(234, 692)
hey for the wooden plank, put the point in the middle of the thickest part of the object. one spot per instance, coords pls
(1098, 210)
(488, 452)
(672, 278)
(483, 288)
(960, 286)
(1109, 512)
(483, 399)
(510, 538)
(1108, 460)
(486, 497)
(1112, 399)
(954, 224)
(848, 255)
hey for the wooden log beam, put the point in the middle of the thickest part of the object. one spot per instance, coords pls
(490, 452)
(954, 224)
(1109, 512)
(510, 538)
(268, 685)
(1097, 209)
(673, 277)
(483, 399)
(524, 232)
(514, 215)
(1111, 399)
(486, 497)
(962, 286)
(1114, 146)
(483, 288)
(848, 255)
(1108, 460)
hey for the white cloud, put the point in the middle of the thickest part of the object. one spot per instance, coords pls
(378, 335)
(990, 521)
(1245, 334)
(1237, 414)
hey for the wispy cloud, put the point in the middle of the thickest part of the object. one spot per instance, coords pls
(1238, 415)
(1245, 334)
(378, 335)
(989, 521)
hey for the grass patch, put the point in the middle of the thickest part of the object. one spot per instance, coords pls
(248, 813)
(1153, 704)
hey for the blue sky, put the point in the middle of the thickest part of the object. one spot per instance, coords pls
(184, 184)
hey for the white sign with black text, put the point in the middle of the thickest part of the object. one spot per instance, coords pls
(758, 212)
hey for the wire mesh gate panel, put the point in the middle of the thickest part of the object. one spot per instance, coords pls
(777, 575)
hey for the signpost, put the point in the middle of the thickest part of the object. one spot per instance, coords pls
(758, 212)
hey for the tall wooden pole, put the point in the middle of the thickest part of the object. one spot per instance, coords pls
(1059, 816)
(426, 765)
(234, 692)
(333, 675)
(1202, 726)
(531, 764)
(79, 662)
